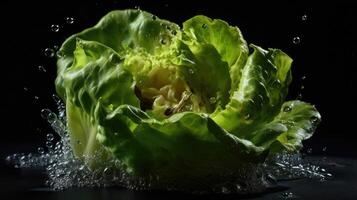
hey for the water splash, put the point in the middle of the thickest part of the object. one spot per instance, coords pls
(65, 170)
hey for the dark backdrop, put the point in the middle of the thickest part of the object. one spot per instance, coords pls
(326, 56)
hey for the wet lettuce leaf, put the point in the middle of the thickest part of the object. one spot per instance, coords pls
(177, 103)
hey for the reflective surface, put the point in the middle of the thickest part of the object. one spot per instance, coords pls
(30, 184)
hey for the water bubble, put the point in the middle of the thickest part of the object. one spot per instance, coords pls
(69, 20)
(59, 54)
(50, 137)
(212, 100)
(304, 17)
(26, 89)
(271, 179)
(302, 87)
(296, 40)
(314, 119)
(303, 77)
(36, 98)
(108, 173)
(137, 8)
(42, 68)
(56, 98)
(163, 41)
(288, 195)
(49, 144)
(40, 150)
(8, 159)
(48, 115)
(154, 17)
(247, 116)
(55, 47)
(287, 108)
(55, 27)
(49, 52)
(204, 26)
(309, 150)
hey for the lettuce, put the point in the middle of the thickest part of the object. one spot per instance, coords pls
(177, 103)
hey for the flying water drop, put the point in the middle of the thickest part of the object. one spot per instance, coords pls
(296, 40)
(55, 28)
(69, 20)
(49, 52)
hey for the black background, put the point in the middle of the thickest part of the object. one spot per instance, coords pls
(326, 55)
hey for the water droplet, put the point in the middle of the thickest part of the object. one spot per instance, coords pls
(191, 71)
(50, 137)
(154, 17)
(188, 108)
(271, 179)
(299, 96)
(204, 26)
(56, 98)
(314, 119)
(55, 28)
(40, 150)
(48, 115)
(59, 54)
(69, 20)
(162, 41)
(304, 17)
(288, 195)
(324, 149)
(296, 40)
(212, 100)
(247, 116)
(302, 87)
(42, 68)
(224, 190)
(49, 144)
(287, 108)
(49, 52)
(309, 150)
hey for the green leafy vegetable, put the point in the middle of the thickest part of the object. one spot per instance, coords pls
(177, 103)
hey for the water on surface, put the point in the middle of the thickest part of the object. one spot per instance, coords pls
(64, 170)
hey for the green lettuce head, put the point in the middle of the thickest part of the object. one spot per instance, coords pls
(189, 105)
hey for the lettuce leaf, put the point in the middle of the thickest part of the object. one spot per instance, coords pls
(177, 103)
